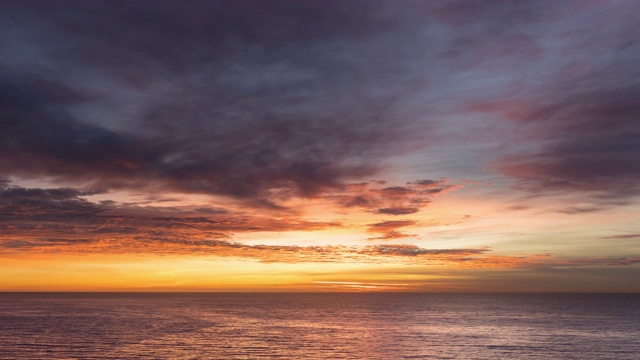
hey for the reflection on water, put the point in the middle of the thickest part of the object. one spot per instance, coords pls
(321, 326)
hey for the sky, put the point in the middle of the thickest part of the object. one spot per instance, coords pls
(305, 145)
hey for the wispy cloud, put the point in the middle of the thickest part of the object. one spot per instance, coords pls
(387, 229)
(377, 197)
(623, 236)
(580, 132)
(29, 215)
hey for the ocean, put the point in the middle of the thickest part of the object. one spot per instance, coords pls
(318, 326)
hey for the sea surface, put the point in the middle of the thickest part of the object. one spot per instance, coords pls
(319, 326)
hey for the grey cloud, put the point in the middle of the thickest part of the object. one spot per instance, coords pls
(580, 131)
(581, 210)
(35, 213)
(38, 204)
(257, 102)
(398, 210)
(593, 146)
(264, 102)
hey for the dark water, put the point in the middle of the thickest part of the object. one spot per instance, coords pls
(320, 326)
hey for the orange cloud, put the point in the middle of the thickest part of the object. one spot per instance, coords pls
(391, 200)
(387, 229)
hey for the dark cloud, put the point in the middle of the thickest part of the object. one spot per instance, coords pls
(40, 137)
(32, 217)
(62, 204)
(592, 145)
(264, 102)
(243, 99)
(398, 211)
(580, 131)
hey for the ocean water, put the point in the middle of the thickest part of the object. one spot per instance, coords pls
(319, 326)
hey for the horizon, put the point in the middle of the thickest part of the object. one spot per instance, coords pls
(308, 292)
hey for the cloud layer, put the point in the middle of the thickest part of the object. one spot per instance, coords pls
(249, 101)
(297, 99)
(171, 127)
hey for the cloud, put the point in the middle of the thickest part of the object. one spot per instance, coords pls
(36, 204)
(265, 103)
(55, 221)
(374, 254)
(254, 102)
(398, 210)
(387, 229)
(391, 200)
(622, 236)
(327, 253)
(260, 103)
(587, 262)
(591, 145)
(581, 210)
(28, 215)
(577, 129)
(413, 250)
(42, 243)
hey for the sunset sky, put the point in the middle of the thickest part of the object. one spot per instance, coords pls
(320, 145)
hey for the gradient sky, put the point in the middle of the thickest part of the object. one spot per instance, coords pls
(326, 145)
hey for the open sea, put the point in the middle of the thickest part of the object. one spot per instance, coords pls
(319, 326)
